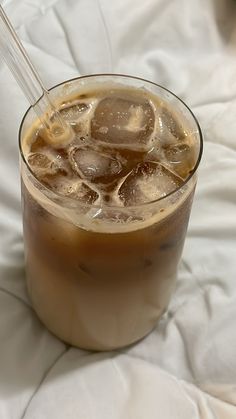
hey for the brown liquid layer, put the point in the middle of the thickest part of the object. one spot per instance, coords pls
(101, 291)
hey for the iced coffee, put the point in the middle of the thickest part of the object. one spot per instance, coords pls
(105, 213)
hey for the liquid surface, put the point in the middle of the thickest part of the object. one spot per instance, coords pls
(128, 148)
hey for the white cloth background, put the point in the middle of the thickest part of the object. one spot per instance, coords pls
(186, 369)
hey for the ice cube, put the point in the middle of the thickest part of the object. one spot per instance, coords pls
(147, 182)
(91, 164)
(38, 144)
(47, 166)
(168, 128)
(45, 163)
(39, 160)
(71, 188)
(123, 121)
(79, 190)
(180, 158)
(172, 123)
(72, 112)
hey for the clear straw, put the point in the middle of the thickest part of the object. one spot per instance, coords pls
(28, 79)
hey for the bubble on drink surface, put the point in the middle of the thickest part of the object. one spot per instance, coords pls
(94, 165)
(123, 121)
(72, 112)
(147, 182)
(180, 158)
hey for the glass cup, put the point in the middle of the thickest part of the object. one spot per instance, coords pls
(99, 277)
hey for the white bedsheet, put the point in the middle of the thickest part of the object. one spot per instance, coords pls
(185, 369)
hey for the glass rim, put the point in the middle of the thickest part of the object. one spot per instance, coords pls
(120, 208)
